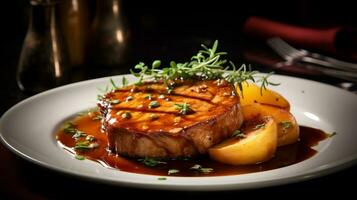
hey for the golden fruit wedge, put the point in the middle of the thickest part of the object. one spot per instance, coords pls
(252, 94)
(258, 145)
(288, 129)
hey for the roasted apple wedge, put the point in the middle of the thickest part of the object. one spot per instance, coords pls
(256, 143)
(288, 129)
(254, 94)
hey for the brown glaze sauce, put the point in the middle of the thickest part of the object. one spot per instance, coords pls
(284, 156)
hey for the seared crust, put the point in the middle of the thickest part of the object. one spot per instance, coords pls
(164, 132)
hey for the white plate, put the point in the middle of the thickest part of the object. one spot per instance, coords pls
(28, 130)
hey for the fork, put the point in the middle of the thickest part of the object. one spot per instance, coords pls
(290, 53)
(336, 67)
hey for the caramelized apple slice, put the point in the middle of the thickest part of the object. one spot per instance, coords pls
(252, 94)
(257, 144)
(288, 129)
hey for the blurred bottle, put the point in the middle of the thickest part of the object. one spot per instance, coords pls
(75, 26)
(109, 41)
(43, 61)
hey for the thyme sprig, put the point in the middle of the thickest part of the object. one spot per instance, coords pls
(207, 64)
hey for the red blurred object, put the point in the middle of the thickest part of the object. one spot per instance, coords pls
(319, 39)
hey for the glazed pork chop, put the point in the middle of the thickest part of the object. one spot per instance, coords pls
(151, 120)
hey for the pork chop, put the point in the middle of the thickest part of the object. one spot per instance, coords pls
(152, 120)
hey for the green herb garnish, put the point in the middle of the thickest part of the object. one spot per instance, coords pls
(161, 178)
(207, 64)
(129, 98)
(149, 96)
(201, 169)
(156, 64)
(90, 138)
(184, 108)
(69, 128)
(150, 162)
(78, 134)
(100, 97)
(114, 101)
(206, 170)
(285, 125)
(238, 134)
(126, 115)
(173, 171)
(332, 134)
(258, 126)
(154, 104)
(113, 84)
(154, 116)
(170, 89)
(85, 145)
(112, 87)
(265, 83)
(79, 157)
(97, 117)
(124, 81)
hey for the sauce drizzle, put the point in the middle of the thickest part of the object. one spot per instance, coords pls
(90, 125)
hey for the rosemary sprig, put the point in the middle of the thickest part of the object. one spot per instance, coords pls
(114, 86)
(207, 64)
(264, 82)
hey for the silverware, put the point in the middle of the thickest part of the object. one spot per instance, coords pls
(324, 64)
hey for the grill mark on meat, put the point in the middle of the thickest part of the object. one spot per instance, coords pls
(168, 95)
(192, 97)
(145, 110)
